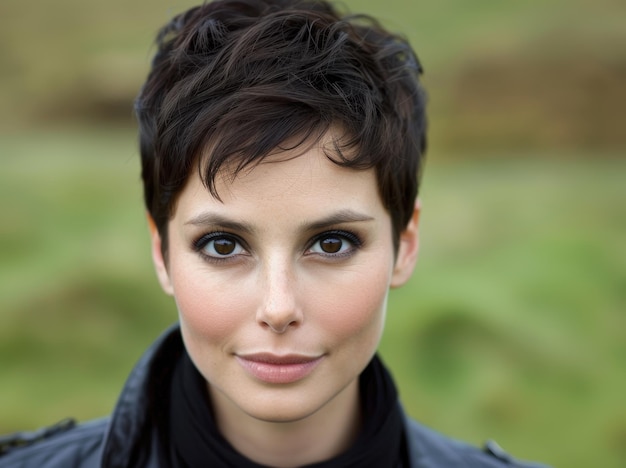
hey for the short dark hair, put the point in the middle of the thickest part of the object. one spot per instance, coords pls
(244, 76)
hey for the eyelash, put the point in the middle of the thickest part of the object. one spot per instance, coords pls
(201, 242)
(351, 237)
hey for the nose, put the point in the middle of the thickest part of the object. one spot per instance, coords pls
(279, 310)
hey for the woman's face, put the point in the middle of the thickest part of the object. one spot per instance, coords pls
(281, 286)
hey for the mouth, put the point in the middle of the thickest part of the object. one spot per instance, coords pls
(275, 369)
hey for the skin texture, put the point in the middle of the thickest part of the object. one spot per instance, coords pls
(279, 290)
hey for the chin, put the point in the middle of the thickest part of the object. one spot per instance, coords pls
(280, 407)
(280, 415)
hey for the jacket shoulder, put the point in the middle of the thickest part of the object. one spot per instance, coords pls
(430, 449)
(64, 444)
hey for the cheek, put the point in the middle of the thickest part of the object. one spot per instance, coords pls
(358, 308)
(210, 310)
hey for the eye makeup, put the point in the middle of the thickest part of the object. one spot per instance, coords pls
(219, 246)
(335, 247)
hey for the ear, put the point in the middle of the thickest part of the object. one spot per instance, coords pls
(160, 265)
(407, 250)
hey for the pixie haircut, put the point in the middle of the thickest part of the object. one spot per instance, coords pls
(233, 81)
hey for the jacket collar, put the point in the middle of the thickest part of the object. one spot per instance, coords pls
(131, 438)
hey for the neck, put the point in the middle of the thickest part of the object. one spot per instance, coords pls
(317, 437)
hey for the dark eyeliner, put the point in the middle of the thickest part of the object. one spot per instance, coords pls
(198, 245)
(351, 237)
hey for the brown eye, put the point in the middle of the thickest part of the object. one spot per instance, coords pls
(335, 244)
(218, 245)
(224, 246)
(331, 244)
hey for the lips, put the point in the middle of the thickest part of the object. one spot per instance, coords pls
(275, 369)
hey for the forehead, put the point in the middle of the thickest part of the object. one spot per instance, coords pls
(288, 181)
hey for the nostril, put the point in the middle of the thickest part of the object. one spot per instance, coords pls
(279, 326)
(279, 319)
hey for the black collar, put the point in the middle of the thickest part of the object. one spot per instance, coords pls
(194, 440)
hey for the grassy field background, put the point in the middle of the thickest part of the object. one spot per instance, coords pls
(514, 325)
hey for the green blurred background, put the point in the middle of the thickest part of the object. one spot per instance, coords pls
(514, 325)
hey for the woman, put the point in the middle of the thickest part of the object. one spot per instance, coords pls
(281, 148)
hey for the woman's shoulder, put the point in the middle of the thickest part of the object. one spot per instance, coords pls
(111, 439)
(63, 444)
(430, 449)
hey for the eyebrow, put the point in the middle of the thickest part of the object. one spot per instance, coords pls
(213, 219)
(340, 217)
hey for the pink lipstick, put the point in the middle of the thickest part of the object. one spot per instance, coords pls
(274, 369)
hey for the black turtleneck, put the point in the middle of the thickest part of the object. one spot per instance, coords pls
(195, 441)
